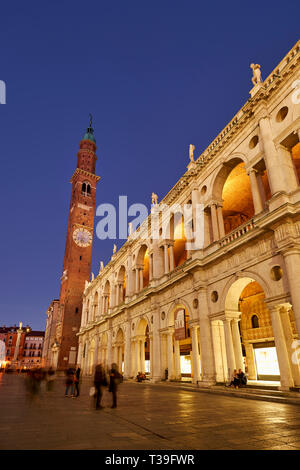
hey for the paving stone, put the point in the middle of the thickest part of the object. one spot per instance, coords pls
(166, 418)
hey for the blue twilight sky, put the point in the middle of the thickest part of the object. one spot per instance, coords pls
(157, 76)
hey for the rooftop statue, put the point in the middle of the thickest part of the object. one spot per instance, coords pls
(256, 78)
(192, 148)
(115, 249)
(154, 199)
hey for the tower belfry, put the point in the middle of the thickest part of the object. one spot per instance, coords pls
(78, 249)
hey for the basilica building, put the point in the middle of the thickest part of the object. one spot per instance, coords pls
(233, 302)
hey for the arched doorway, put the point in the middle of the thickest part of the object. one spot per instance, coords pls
(178, 356)
(142, 268)
(142, 351)
(261, 343)
(259, 351)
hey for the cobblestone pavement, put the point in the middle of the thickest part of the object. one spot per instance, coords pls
(148, 417)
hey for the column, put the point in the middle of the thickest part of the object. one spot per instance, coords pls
(195, 351)
(79, 355)
(138, 355)
(170, 356)
(151, 355)
(250, 361)
(86, 358)
(109, 349)
(17, 347)
(166, 258)
(206, 345)
(256, 196)
(142, 348)
(155, 350)
(286, 379)
(127, 352)
(133, 369)
(172, 264)
(136, 280)
(141, 279)
(220, 221)
(95, 361)
(237, 345)
(229, 347)
(289, 339)
(177, 360)
(214, 221)
(292, 263)
(150, 266)
(280, 175)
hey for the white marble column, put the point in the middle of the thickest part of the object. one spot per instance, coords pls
(155, 350)
(109, 349)
(142, 348)
(195, 352)
(137, 287)
(237, 345)
(229, 347)
(127, 352)
(141, 279)
(220, 221)
(286, 379)
(133, 368)
(206, 345)
(170, 356)
(292, 263)
(95, 360)
(79, 354)
(177, 360)
(166, 258)
(250, 361)
(138, 355)
(214, 221)
(281, 176)
(289, 339)
(256, 196)
(86, 358)
(172, 261)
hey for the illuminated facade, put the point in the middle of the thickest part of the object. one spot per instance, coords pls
(240, 291)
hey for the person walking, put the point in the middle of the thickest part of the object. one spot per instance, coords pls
(115, 379)
(100, 381)
(76, 382)
(69, 382)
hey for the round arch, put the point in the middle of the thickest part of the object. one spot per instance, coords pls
(236, 284)
(176, 305)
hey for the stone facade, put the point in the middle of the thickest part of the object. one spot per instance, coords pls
(248, 265)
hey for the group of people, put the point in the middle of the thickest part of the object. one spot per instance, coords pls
(34, 379)
(72, 382)
(140, 376)
(238, 379)
(101, 381)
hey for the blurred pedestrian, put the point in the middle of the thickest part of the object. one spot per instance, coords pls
(50, 377)
(33, 383)
(100, 381)
(115, 379)
(69, 382)
(77, 381)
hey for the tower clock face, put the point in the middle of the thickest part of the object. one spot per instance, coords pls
(82, 237)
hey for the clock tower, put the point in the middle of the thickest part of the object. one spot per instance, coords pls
(78, 250)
